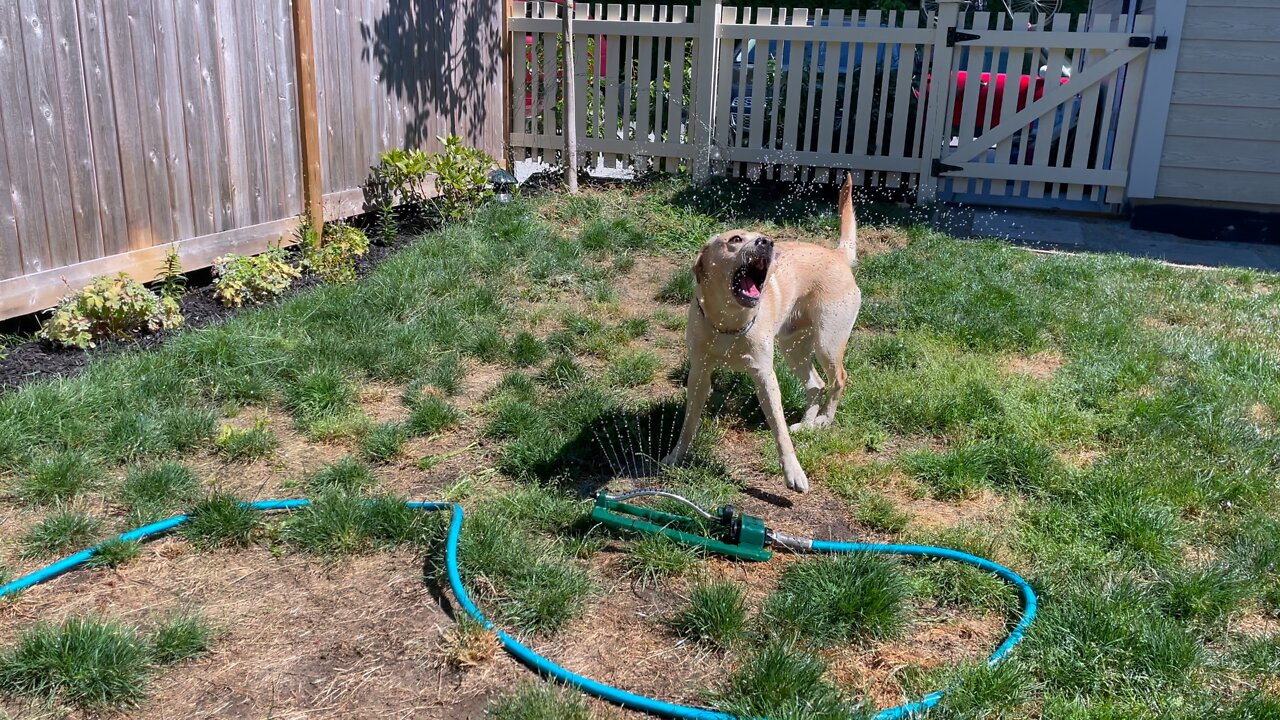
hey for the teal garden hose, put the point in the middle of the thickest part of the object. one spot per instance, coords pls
(593, 687)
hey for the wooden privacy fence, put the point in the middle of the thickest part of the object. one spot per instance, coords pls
(980, 106)
(128, 127)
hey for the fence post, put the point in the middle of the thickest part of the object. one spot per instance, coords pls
(704, 104)
(304, 58)
(570, 99)
(1153, 103)
(938, 94)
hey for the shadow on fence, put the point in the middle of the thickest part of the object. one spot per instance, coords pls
(420, 61)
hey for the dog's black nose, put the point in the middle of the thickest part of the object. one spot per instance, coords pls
(764, 242)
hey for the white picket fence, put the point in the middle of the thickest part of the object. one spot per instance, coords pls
(1031, 112)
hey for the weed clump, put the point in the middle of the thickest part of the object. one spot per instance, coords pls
(779, 681)
(838, 598)
(57, 478)
(338, 523)
(348, 475)
(59, 532)
(540, 701)
(716, 614)
(115, 553)
(222, 520)
(245, 445)
(83, 662)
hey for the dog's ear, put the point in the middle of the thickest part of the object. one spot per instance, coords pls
(699, 269)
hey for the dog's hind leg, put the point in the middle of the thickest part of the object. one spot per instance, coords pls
(830, 351)
(797, 349)
(699, 388)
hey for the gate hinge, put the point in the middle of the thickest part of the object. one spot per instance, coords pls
(940, 167)
(954, 36)
(1160, 42)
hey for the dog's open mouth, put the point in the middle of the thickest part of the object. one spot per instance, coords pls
(748, 279)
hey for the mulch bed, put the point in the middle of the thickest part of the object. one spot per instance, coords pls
(40, 360)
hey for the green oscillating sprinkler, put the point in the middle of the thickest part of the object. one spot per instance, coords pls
(733, 533)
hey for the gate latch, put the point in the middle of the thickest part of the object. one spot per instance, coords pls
(1160, 42)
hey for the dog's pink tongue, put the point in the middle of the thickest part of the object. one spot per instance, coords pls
(749, 288)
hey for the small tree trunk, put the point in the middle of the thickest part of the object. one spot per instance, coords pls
(570, 105)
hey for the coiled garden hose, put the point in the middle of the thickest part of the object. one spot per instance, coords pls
(549, 668)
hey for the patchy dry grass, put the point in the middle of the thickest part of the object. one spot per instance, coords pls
(1105, 426)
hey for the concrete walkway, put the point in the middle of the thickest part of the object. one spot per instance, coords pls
(1054, 231)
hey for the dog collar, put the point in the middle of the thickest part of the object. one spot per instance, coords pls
(740, 331)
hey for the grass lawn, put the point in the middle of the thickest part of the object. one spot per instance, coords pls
(1107, 427)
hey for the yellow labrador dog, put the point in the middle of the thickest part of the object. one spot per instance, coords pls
(754, 295)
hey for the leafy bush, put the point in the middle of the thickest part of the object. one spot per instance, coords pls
(462, 177)
(240, 279)
(334, 259)
(112, 307)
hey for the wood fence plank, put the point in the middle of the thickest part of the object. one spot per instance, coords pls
(753, 134)
(169, 92)
(142, 43)
(1015, 63)
(102, 130)
(233, 114)
(287, 85)
(72, 98)
(257, 190)
(645, 104)
(304, 48)
(269, 123)
(205, 200)
(792, 97)
(47, 131)
(883, 68)
(676, 109)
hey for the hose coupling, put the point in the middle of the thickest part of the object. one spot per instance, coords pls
(789, 542)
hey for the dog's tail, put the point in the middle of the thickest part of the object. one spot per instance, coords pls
(848, 223)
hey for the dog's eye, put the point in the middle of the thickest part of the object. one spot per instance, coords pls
(736, 239)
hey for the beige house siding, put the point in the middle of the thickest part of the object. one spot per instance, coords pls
(1222, 143)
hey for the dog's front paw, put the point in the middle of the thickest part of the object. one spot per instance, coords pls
(796, 478)
(675, 458)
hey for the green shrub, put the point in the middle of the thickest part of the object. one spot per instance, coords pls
(461, 177)
(112, 307)
(170, 282)
(334, 259)
(250, 280)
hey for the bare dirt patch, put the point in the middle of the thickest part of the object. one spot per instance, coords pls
(1041, 366)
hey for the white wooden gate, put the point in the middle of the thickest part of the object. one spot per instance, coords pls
(980, 107)
(1061, 135)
